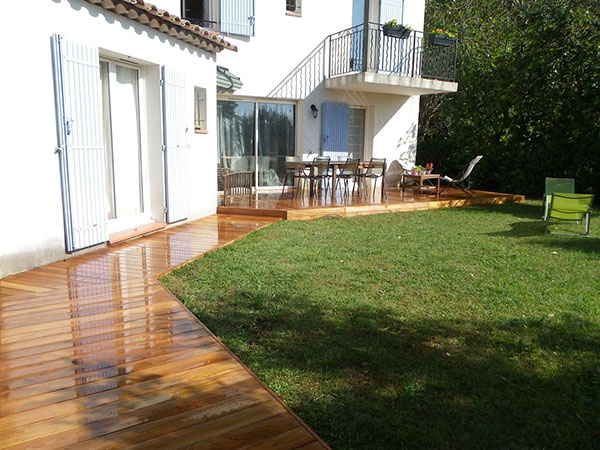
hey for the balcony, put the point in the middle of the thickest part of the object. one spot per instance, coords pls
(355, 60)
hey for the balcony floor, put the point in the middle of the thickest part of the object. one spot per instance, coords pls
(390, 84)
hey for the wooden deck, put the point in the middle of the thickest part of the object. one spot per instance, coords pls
(274, 204)
(95, 353)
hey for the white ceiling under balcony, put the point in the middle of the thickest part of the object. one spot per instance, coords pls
(390, 84)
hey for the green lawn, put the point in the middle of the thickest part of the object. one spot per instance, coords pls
(458, 328)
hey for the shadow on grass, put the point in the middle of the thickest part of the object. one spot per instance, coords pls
(526, 210)
(531, 225)
(530, 229)
(366, 377)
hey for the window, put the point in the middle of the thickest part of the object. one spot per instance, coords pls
(256, 136)
(342, 131)
(356, 133)
(293, 7)
(228, 16)
(198, 12)
(199, 109)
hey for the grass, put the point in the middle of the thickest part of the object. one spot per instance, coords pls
(458, 328)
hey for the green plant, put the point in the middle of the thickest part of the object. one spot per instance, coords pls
(394, 24)
(444, 33)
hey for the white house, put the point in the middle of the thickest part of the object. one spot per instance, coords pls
(100, 118)
(321, 77)
(117, 113)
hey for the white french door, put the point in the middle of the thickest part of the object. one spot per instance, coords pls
(121, 127)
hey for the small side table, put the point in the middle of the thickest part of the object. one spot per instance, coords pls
(420, 179)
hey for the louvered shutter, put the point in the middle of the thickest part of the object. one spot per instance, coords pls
(81, 149)
(175, 146)
(391, 9)
(335, 120)
(237, 17)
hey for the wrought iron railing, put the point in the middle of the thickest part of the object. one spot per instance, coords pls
(413, 56)
(352, 51)
(205, 23)
(305, 78)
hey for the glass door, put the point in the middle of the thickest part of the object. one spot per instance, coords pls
(276, 140)
(121, 121)
(256, 136)
(235, 122)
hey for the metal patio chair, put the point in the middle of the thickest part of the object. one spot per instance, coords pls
(291, 173)
(348, 172)
(572, 208)
(374, 170)
(552, 185)
(462, 182)
(316, 174)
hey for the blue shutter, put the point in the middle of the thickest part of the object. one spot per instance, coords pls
(391, 9)
(335, 121)
(237, 17)
(82, 155)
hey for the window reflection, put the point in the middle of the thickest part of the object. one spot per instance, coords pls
(276, 138)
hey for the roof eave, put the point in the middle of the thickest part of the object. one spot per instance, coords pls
(160, 20)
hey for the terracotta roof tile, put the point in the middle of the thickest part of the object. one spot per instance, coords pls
(182, 29)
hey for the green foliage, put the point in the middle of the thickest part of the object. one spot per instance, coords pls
(529, 77)
(458, 328)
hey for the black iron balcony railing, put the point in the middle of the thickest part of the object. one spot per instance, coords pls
(415, 56)
(352, 51)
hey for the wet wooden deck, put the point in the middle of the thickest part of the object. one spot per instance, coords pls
(286, 206)
(95, 353)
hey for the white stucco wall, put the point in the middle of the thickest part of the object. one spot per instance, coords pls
(31, 229)
(172, 6)
(281, 41)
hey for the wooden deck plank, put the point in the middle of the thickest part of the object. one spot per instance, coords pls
(303, 208)
(94, 352)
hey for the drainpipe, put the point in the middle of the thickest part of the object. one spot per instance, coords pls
(365, 50)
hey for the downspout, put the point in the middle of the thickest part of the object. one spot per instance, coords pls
(365, 51)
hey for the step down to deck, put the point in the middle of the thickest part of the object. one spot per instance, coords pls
(121, 236)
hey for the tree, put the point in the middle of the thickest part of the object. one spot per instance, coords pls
(528, 74)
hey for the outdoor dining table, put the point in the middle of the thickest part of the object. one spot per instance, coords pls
(333, 164)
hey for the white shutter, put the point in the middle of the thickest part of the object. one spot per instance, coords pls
(80, 143)
(391, 9)
(237, 17)
(175, 145)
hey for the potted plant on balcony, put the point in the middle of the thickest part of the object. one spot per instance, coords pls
(396, 30)
(442, 38)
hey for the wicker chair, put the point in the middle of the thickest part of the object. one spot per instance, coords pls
(237, 183)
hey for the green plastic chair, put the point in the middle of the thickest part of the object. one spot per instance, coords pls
(566, 185)
(570, 207)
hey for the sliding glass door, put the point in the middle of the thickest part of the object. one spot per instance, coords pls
(236, 135)
(256, 136)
